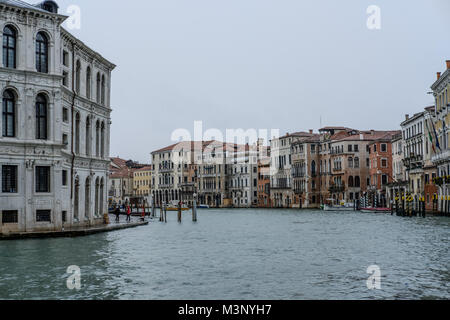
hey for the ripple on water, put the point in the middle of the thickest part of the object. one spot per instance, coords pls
(240, 254)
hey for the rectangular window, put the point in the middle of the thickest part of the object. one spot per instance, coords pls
(11, 216)
(65, 115)
(43, 216)
(384, 163)
(65, 140)
(64, 216)
(42, 179)
(350, 148)
(8, 116)
(65, 58)
(65, 79)
(383, 147)
(9, 179)
(64, 178)
(384, 180)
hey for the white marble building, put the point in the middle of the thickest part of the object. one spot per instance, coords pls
(243, 177)
(441, 158)
(55, 124)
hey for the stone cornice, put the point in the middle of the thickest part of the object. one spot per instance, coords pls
(28, 73)
(443, 80)
(67, 36)
(36, 13)
(84, 100)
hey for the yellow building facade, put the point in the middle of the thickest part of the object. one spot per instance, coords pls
(142, 182)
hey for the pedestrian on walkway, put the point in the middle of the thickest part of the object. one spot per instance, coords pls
(117, 213)
(128, 214)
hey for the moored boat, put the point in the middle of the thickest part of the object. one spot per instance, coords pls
(174, 206)
(375, 210)
(338, 208)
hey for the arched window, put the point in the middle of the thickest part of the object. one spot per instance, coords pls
(41, 117)
(76, 198)
(98, 88)
(78, 77)
(77, 133)
(88, 136)
(102, 137)
(42, 53)
(313, 168)
(9, 47)
(87, 197)
(356, 162)
(88, 82)
(350, 182)
(103, 89)
(9, 114)
(357, 182)
(350, 162)
(97, 139)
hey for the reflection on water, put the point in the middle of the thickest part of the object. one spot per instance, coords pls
(239, 254)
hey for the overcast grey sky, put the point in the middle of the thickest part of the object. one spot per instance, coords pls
(279, 64)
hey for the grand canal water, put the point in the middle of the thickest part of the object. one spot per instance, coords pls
(240, 254)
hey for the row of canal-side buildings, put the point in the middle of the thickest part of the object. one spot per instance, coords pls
(297, 170)
(306, 169)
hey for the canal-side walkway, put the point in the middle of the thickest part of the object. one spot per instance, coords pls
(74, 232)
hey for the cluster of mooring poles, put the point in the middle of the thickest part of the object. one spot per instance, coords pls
(408, 206)
(163, 212)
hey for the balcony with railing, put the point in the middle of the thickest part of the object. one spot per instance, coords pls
(165, 169)
(441, 157)
(166, 185)
(280, 185)
(337, 169)
(414, 161)
(298, 174)
(337, 188)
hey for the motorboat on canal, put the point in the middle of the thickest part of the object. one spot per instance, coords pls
(342, 207)
(375, 210)
(346, 207)
(174, 206)
(202, 206)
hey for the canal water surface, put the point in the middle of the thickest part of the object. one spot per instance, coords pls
(240, 254)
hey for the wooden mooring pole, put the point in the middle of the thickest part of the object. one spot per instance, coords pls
(165, 213)
(194, 211)
(179, 212)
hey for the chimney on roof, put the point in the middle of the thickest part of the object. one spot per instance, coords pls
(407, 117)
(438, 75)
(448, 64)
(311, 131)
